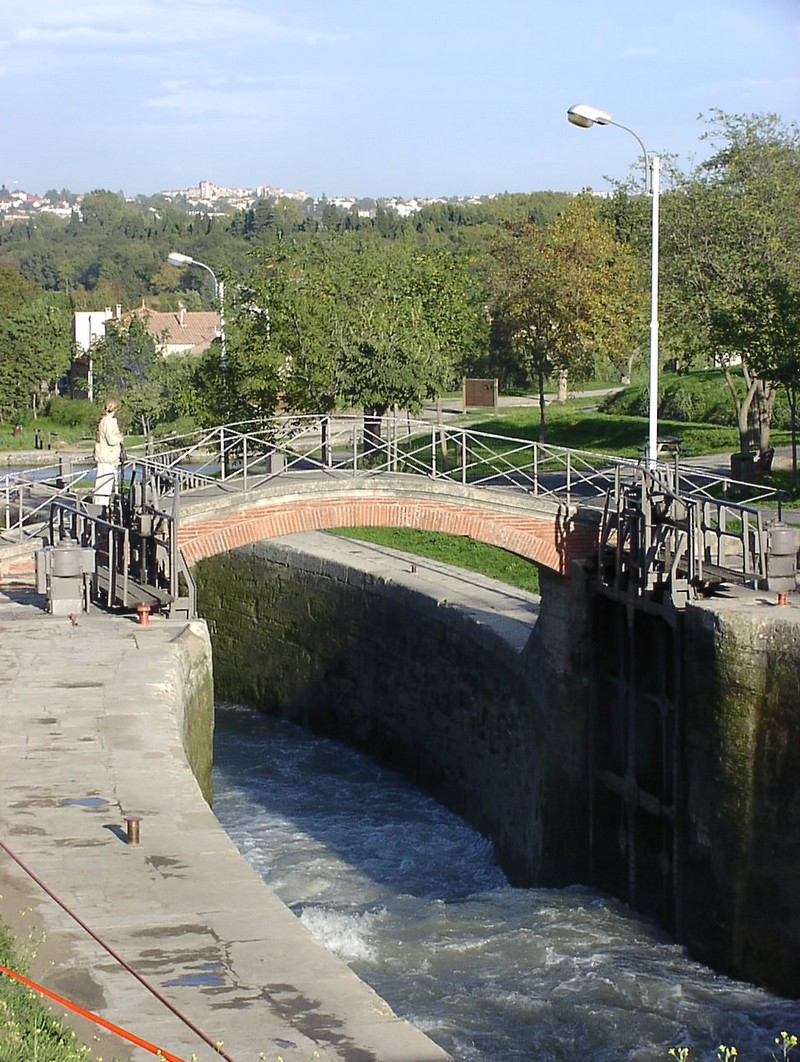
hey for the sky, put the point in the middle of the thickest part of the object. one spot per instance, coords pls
(370, 99)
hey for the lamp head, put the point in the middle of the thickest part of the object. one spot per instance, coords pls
(585, 116)
(175, 258)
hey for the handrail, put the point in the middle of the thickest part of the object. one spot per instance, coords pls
(243, 456)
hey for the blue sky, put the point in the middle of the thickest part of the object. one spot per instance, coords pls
(373, 99)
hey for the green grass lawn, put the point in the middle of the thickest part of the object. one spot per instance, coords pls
(450, 549)
(577, 424)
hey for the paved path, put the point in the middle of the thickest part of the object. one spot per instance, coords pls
(90, 735)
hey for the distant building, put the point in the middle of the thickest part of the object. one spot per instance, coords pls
(181, 332)
(88, 327)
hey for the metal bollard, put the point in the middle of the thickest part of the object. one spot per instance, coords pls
(144, 615)
(132, 823)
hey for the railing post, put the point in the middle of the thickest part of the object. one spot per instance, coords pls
(20, 522)
(464, 456)
(355, 448)
(222, 457)
(324, 441)
(433, 453)
(244, 463)
(535, 465)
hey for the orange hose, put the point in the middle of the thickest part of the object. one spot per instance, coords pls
(159, 1052)
(117, 958)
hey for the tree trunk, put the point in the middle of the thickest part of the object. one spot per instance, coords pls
(541, 407)
(373, 440)
(626, 376)
(323, 442)
(764, 404)
(741, 405)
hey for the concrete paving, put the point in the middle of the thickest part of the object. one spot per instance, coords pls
(90, 736)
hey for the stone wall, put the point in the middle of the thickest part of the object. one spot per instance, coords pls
(193, 681)
(740, 828)
(497, 736)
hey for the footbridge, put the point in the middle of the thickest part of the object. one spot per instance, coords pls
(664, 529)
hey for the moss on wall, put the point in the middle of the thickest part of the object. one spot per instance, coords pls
(196, 701)
(740, 825)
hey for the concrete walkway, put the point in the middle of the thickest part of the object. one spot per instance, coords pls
(91, 734)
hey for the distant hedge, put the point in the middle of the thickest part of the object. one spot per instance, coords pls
(697, 397)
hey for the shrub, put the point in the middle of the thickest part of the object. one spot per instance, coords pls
(699, 397)
(677, 402)
(180, 426)
(72, 413)
(21, 416)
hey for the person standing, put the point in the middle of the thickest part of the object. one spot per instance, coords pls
(107, 452)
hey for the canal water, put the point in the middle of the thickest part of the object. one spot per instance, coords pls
(412, 899)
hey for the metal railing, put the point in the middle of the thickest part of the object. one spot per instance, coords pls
(664, 541)
(242, 457)
(136, 550)
(245, 456)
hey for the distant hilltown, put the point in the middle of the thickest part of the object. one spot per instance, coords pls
(210, 198)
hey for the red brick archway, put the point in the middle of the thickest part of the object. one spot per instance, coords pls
(548, 540)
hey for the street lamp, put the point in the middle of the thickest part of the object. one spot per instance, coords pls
(180, 261)
(585, 117)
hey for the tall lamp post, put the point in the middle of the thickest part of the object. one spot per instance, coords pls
(585, 116)
(180, 261)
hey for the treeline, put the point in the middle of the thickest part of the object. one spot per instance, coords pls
(112, 252)
(326, 308)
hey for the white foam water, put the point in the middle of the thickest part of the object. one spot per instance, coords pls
(412, 899)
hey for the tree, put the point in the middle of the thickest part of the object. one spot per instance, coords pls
(732, 255)
(127, 366)
(354, 319)
(565, 293)
(35, 344)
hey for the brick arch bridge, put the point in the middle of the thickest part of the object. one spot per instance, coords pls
(539, 530)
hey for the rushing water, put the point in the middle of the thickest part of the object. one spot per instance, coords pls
(412, 899)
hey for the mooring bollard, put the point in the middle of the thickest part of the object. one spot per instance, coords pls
(132, 823)
(144, 615)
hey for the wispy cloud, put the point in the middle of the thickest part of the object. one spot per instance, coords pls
(51, 30)
(714, 89)
(244, 98)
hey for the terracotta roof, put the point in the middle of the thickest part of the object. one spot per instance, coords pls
(185, 331)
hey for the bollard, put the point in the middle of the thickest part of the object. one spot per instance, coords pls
(781, 597)
(144, 615)
(132, 823)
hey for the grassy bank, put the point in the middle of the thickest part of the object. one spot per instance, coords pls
(460, 552)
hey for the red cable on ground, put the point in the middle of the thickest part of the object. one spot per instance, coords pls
(159, 1052)
(117, 958)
